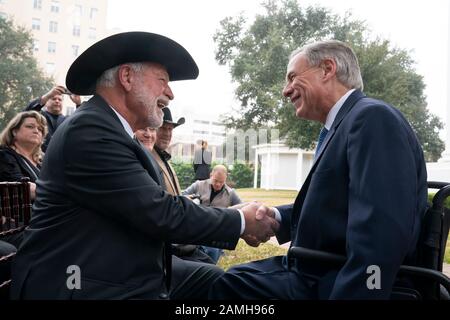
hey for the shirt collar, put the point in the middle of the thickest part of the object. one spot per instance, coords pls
(337, 106)
(124, 122)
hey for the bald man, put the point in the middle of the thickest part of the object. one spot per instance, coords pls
(214, 192)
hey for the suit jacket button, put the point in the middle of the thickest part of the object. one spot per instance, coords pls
(163, 296)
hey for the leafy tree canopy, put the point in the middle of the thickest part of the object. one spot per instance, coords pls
(20, 77)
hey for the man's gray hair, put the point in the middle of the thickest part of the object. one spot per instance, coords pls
(347, 66)
(108, 77)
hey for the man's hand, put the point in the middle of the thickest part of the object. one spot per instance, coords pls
(58, 90)
(260, 224)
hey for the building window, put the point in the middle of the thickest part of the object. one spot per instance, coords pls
(201, 121)
(78, 10)
(201, 132)
(50, 67)
(54, 6)
(70, 110)
(92, 33)
(75, 49)
(93, 13)
(37, 4)
(36, 45)
(51, 47)
(76, 31)
(53, 26)
(36, 24)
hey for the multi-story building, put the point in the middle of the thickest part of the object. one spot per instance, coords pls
(61, 30)
(197, 127)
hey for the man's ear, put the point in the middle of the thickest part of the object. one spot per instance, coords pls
(329, 68)
(126, 75)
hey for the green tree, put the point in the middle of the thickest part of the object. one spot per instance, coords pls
(20, 77)
(257, 55)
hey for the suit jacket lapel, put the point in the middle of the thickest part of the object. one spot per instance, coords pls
(346, 107)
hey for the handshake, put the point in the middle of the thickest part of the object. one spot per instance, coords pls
(260, 223)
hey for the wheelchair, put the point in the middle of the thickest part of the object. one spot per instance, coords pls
(428, 280)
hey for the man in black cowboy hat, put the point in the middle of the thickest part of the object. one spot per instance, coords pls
(159, 152)
(101, 219)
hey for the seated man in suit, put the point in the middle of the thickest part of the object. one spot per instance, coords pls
(364, 196)
(101, 221)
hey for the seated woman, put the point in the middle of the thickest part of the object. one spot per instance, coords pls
(20, 148)
(20, 154)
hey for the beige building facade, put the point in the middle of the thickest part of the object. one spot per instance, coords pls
(61, 29)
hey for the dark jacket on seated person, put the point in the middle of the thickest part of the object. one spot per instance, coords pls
(14, 167)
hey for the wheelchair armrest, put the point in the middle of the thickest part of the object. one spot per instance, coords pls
(339, 260)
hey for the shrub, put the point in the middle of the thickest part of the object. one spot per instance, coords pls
(241, 175)
(185, 173)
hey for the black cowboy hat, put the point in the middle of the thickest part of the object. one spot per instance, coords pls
(168, 118)
(129, 47)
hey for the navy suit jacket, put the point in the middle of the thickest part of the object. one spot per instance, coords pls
(99, 207)
(364, 198)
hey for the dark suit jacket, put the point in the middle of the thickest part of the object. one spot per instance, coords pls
(98, 207)
(363, 198)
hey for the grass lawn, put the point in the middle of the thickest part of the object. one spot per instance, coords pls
(245, 253)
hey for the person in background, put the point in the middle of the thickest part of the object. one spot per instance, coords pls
(202, 162)
(214, 192)
(147, 137)
(53, 103)
(171, 184)
(20, 148)
(162, 156)
(21, 155)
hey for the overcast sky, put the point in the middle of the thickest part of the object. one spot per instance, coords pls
(421, 27)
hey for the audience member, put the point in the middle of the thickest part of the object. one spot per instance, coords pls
(214, 192)
(147, 137)
(171, 183)
(202, 161)
(20, 148)
(53, 102)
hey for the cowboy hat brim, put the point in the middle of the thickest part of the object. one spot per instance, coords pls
(125, 48)
(176, 124)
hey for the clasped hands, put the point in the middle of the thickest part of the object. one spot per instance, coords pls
(260, 223)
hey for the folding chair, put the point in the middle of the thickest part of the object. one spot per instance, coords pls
(15, 213)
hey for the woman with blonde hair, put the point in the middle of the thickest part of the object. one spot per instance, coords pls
(20, 148)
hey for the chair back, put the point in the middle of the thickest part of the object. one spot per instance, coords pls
(15, 214)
